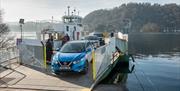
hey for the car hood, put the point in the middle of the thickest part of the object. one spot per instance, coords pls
(67, 57)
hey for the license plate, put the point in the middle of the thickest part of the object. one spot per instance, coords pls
(64, 67)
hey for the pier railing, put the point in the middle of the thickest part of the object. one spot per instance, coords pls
(7, 55)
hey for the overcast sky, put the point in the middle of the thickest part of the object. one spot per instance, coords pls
(32, 10)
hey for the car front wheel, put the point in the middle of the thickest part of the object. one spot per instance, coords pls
(85, 70)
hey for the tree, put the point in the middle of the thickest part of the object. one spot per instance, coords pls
(165, 16)
(5, 40)
(150, 27)
(100, 28)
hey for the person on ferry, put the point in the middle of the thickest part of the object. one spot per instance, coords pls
(49, 49)
(65, 39)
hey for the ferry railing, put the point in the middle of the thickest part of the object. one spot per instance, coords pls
(105, 56)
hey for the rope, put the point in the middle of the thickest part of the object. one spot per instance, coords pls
(148, 79)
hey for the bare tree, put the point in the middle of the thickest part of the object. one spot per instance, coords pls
(5, 40)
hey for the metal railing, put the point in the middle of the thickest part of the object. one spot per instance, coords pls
(6, 63)
(32, 54)
(7, 54)
(105, 58)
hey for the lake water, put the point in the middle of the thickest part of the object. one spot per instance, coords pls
(157, 66)
(25, 35)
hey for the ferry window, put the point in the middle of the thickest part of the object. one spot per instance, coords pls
(67, 28)
(80, 25)
(65, 20)
(70, 20)
(74, 28)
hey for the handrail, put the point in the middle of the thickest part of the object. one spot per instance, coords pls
(8, 47)
(7, 54)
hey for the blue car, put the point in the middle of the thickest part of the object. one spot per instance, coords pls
(73, 56)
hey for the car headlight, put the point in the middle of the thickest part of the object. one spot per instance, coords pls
(55, 60)
(77, 61)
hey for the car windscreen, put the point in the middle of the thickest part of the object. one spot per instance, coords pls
(91, 38)
(73, 48)
(99, 35)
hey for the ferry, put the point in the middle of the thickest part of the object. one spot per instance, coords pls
(71, 26)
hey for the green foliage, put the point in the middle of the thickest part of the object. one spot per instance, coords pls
(139, 16)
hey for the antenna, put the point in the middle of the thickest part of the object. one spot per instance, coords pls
(74, 11)
(78, 13)
(52, 18)
(68, 10)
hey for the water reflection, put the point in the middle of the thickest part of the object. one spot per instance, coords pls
(153, 43)
(117, 79)
(162, 70)
(119, 74)
(148, 73)
(158, 60)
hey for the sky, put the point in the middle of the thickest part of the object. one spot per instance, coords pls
(33, 10)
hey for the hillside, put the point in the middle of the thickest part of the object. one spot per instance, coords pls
(135, 17)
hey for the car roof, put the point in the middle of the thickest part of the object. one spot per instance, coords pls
(97, 32)
(91, 36)
(78, 41)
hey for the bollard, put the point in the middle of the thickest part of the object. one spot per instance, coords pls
(44, 52)
(93, 65)
(45, 65)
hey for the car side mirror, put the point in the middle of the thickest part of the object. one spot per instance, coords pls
(57, 49)
(89, 49)
(95, 48)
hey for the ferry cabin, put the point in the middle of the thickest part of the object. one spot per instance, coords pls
(72, 25)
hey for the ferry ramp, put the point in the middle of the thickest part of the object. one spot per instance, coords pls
(35, 74)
